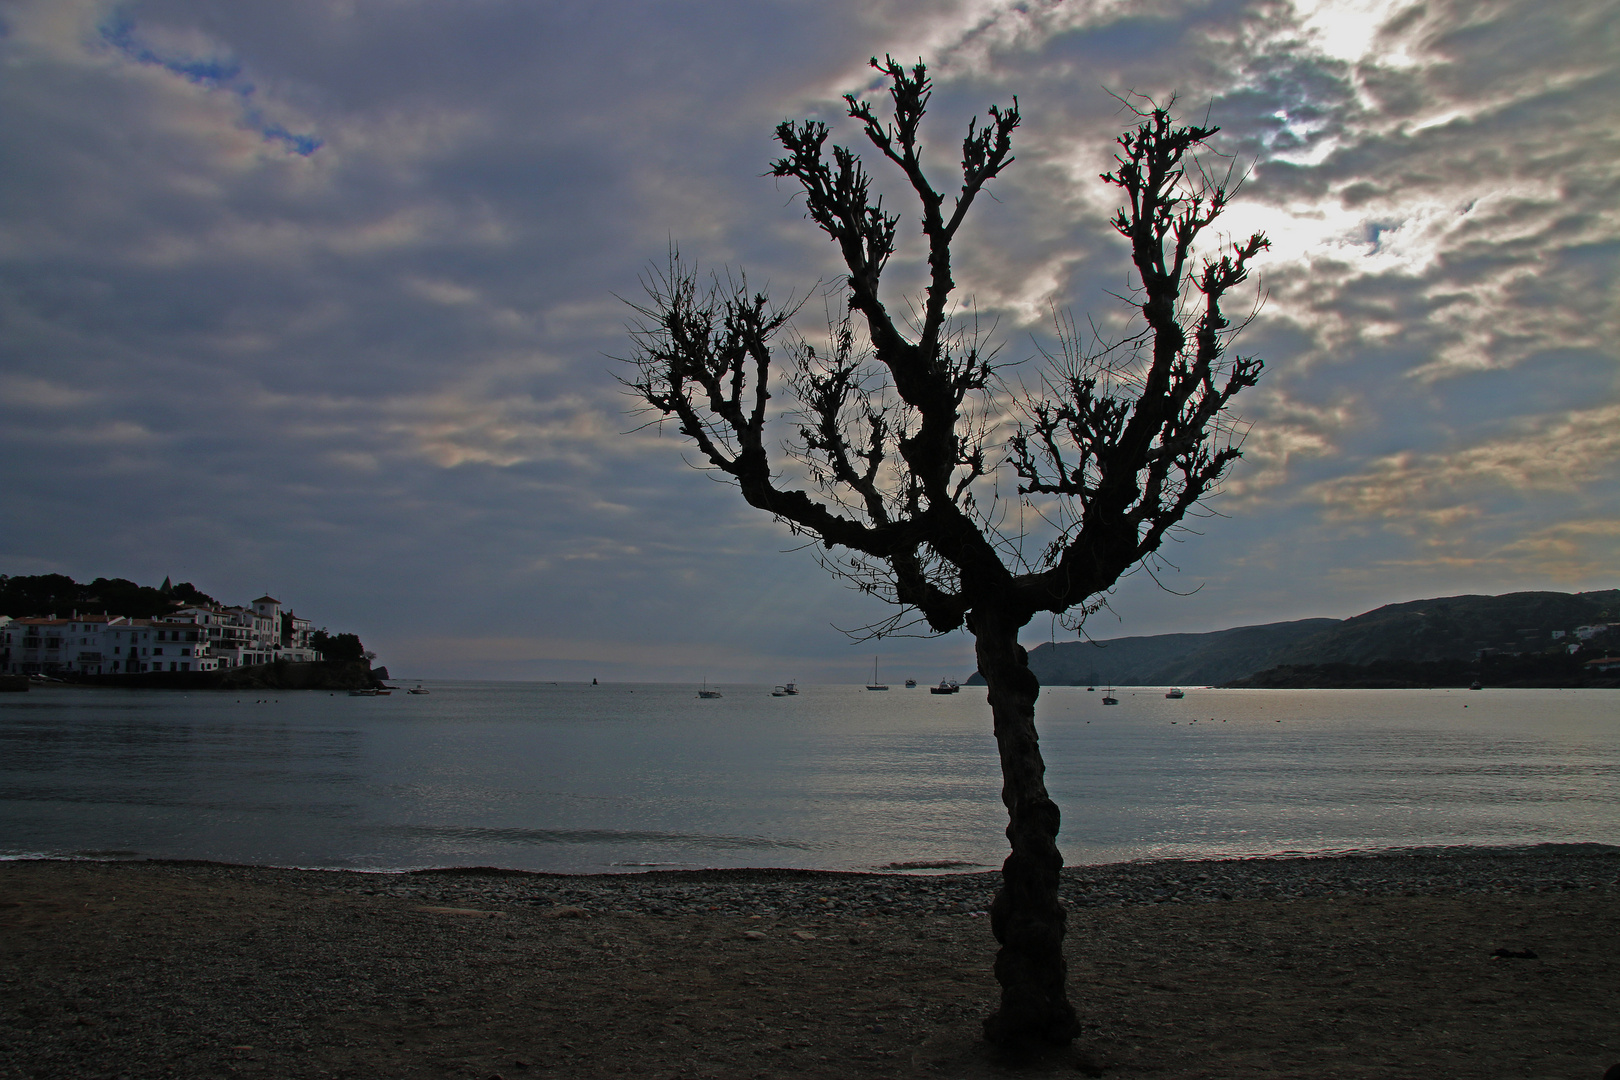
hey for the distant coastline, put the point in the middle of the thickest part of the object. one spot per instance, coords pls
(173, 636)
(1547, 639)
(1432, 675)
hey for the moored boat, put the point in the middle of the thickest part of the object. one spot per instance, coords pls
(1176, 692)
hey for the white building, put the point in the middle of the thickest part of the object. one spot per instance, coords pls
(261, 633)
(191, 639)
(284, 634)
(230, 633)
(50, 645)
(97, 645)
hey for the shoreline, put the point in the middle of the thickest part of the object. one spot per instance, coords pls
(1422, 965)
(1404, 872)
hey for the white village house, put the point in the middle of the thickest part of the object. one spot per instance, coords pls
(190, 639)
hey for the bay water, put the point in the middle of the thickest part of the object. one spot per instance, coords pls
(579, 778)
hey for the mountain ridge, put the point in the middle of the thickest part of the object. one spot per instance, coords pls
(1444, 629)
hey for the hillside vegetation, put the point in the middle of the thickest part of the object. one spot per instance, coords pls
(1434, 642)
(40, 596)
(1170, 659)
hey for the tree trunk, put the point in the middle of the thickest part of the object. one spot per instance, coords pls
(1026, 916)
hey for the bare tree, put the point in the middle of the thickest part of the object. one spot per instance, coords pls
(894, 430)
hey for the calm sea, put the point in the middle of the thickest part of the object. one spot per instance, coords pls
(604, 778)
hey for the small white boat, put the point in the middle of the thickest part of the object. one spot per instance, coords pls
(418, 689)
(911, 684)
(946, 686)
(1176, 692)
(874, 684)
(786, 690)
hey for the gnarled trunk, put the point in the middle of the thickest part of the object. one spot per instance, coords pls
(1026, 916)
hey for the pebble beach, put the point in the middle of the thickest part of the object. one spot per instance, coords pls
(1430, 963)
(1431, 871)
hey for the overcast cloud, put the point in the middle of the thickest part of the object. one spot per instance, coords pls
(317, 298)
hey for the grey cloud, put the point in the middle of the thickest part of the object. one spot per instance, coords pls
(377, 376)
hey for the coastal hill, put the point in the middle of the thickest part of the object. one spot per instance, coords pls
(1170, 659)
(1450, 633)
(41, 595)
(1459, 628)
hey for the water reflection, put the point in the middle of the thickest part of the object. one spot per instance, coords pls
(581, 778)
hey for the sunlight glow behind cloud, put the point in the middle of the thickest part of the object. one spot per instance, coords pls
(321, 296)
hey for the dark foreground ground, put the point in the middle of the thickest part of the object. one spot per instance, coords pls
(1322, 968)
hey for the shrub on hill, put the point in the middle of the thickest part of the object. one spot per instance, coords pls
(41, 595)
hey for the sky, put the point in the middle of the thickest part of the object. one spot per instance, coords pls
(321, 298)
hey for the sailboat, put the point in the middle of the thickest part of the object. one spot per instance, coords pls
(874, 684)
(706, 692)
(1109, 698)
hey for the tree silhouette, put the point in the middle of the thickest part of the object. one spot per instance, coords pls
(896, 425)
(337, 646)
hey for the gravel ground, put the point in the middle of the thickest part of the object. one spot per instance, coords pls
(1430, 871)
(1436, 963)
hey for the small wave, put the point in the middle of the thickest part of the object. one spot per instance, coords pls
(932, 864)
(532, 837)
(71, 856)
(1549, 848)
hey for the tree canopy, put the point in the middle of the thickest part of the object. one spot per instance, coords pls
(901, 430)
(39, 595)
(337, 646)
